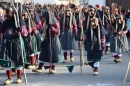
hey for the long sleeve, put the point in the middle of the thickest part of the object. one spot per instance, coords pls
(55, 29)
(24, 31)
(75, 28)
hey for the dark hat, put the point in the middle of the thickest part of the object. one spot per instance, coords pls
(90, 6)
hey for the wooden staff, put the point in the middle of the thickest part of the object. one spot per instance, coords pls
(21, 6)
(127, 70)
(81, 47)
(50, 43)
(18, 23)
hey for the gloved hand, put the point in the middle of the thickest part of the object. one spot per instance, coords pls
(50, 26)
(19, 29)
(116, 33)
(81, 39)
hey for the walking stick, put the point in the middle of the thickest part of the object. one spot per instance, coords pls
(81, 47)
(50, 48)
(50, 43)
(18, 25)
(128, 67)
(21, 5)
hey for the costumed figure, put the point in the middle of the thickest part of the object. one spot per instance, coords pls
(85, 14)
(128, 23)
(50, 47)
(97, 7)
(1, 23)
(120, 9)
(119, 30)
(29, 40)
(78, 16)
(91, 14)
(11, 44)
(36, 26)
(106, 23)
(95, 44)
(69, 32)
(114, 14)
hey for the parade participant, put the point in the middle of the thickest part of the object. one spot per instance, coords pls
(113, 6)
(53, 10)
(114, 14)
(98, 9)
(119, 25)
(85, 14)
(39, 28)
(128, 14)
(106, 23)
(91, 14)
(95, 44)
(128, 23)
(1, 23)
(69, 31)
(12, 43)
(102, 8)
(28, 40)
(36, 23)
(120, 9)
(78, 16)
(57, 12)
(50, 23)
(62, 10)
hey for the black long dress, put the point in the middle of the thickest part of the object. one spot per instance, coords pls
(94, 53)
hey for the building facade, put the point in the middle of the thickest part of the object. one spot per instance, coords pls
(93, 2)
(124, 3)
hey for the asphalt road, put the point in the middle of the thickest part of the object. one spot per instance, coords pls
(110, 74)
